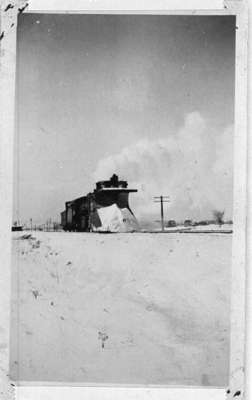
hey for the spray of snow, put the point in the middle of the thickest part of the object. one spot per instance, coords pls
(115, 219)
(192, 166)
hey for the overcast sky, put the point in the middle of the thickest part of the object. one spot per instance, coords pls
(92, 87)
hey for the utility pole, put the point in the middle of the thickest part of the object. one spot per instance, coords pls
(162, 200)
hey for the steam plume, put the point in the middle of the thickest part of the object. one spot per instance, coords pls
(192, 166)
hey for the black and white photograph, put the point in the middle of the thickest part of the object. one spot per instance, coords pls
(123, 208)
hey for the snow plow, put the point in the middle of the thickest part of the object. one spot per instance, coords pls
(106, 209)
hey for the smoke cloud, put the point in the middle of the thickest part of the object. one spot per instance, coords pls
(191, 166)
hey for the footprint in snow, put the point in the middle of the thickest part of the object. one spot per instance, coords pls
(103, 337)
(35, 293)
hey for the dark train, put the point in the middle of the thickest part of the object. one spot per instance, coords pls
(82, 214)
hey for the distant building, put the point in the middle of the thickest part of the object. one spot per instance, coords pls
(106, 209)
(171, 223)
(17, 226)
(188, 222)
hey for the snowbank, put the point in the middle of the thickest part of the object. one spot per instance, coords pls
(124, 309)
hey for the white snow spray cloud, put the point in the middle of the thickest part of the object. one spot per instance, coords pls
(192, 166)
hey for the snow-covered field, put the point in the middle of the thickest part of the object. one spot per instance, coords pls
(130, 308)
(210, 228)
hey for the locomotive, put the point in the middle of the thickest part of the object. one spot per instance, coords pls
(84, 213)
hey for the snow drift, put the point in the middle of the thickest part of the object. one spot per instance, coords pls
(121, 309)
(115, 219)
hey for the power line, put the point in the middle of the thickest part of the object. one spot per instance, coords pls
(162, 199)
